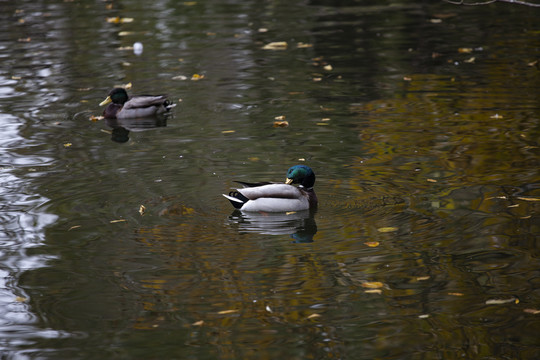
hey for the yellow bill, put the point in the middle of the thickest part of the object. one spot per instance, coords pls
(288, 181)
(106, 101)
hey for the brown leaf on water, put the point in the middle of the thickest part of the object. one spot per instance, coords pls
(228, 131)
(74, 227)
(533, 63)
(422, 278)
(532, 311)
(372, 284)
(469, 60)
(142, 210)
(431, 180)
(225, 312)
(197, 77)
(313, 316)
(387, 229)
(279, 118)
(198, 323)
(328, 67)
(302, 45)
(281, 123)
(465, 50)
(456, 294)
(275, 45)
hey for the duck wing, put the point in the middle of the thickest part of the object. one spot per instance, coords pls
(144, 101)
(279, 191)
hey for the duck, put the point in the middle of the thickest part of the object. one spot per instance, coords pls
(123, 107)
(278, 197)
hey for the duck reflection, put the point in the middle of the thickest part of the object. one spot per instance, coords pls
(122, 127)
(300, 225)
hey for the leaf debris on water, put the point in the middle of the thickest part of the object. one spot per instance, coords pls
(387, 229)
(313, 316)
(198, 323)
(96, 118)
(142, 209)
(372, 243)
(275, 45)
(502, 301)
(119, 20)
(225, 312)
(228, 131)
(74, 227)
(117, 221)
(281, 123)
(372, 284)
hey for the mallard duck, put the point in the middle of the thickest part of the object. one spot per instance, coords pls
(276, 197)
(123, 107)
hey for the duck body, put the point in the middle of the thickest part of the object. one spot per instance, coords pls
(278, 197)
(120, 106)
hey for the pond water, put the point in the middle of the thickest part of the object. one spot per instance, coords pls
(420, 119)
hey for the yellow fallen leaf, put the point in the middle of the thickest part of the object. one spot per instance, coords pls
(387, 229)
(302, 45)
(198, 323)
(422, 278)
(279, 118)
(317, 79)
(469, 60)
(328, 67)
(325, 119)
(119, 20)
(322, 124)
(20, 299)
(465, 50)
(224, 312)
(228, 131)
(455, 294)
(301, 159)
(373, 291)
(431, 180)
(313, 316)
(281, 123)
(66, 145)
(74, 227)
(197, 77)
(372, 243)
(290, 212)
(142, 209)
(423, 316)
(372, 284)
(276, 45)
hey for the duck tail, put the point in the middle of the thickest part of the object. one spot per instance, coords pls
(237, 200)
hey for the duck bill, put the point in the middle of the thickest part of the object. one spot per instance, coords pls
(106, 101)
(288, 181)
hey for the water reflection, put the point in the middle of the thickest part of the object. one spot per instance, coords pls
(300, 226)
(122, 127)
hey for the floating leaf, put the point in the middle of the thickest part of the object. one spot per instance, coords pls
(502, 301)
(373, 291)
(276, 45)
(302, 45)
(435, 21)
(279, 118)
(372, 243)
(431, 180)
(96, 118)
(281, 123)
(455, 294)
(225, 312)
(423, 316)
(322, 124)
(465, 50)
(179, 77)
(313, 316)
(20, 299)
(117, 221)
(142, 209)
(528, 198)
(422, 278)
(228, 131)
(290, 212)
(66, 145)
(469, 60)
(532, 311)
(387, 229)
(325, 119)
(198, 323)
(197, 77)
(372, 284)
(407, 78)
(74, 227)
(119, 20)
(328, 67)
(268, 309)
(262, 30)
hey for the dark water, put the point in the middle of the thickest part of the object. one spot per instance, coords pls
(420, 119)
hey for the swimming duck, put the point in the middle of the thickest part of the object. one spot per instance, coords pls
(122, 107)
(277, 197)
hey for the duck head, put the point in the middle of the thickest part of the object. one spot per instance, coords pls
(301, 174)
(117, 96)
